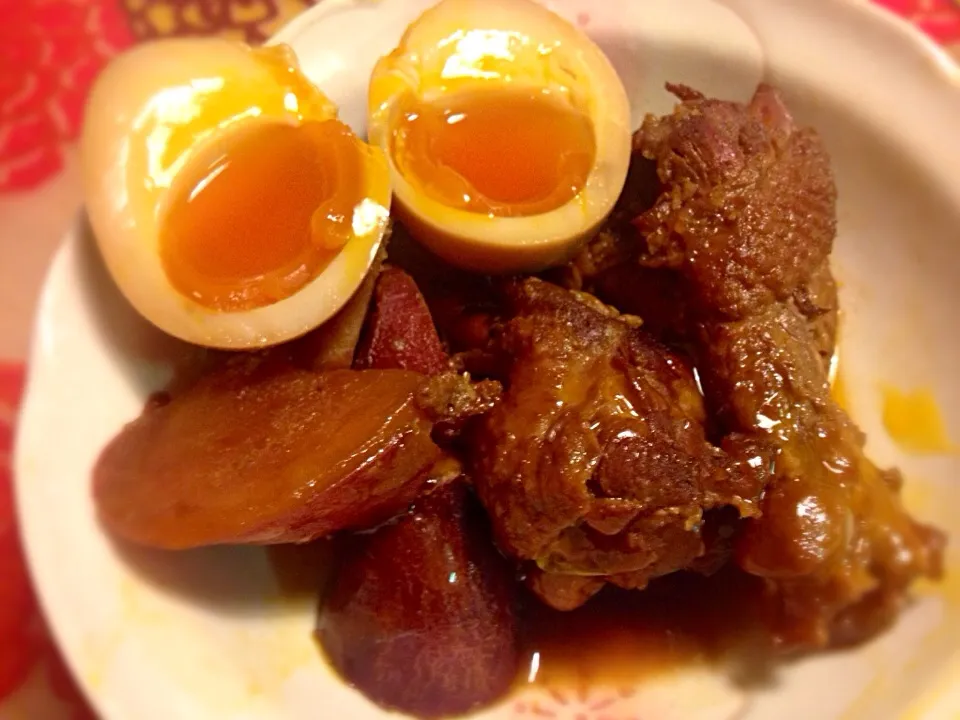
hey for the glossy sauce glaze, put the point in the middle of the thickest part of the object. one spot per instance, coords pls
(502, 153)
(620, 636)
(230, 242)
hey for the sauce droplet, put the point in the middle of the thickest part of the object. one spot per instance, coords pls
(913, 420)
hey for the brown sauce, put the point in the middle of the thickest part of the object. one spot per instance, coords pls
(621, 636)
(302, 571)
(618, 638)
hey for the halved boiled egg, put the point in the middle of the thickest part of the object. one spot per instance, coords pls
(232, 208)
(507, 131)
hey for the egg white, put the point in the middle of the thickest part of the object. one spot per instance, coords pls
(461, 45)
(131, 156)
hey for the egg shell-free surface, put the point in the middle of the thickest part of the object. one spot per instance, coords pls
(551, 54)
(163, 105)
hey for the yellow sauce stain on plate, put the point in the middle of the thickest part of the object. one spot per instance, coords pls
(838, 391)
(939, 697)
(932, 666)
(914, 421)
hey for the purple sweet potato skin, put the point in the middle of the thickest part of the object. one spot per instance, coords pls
(422, 615)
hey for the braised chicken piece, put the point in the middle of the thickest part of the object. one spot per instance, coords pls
(742, 229)
(833, 539)
(595, 464)
(747, 209)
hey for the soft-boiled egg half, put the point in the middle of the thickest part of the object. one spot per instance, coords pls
(232, 208)
(507, 131)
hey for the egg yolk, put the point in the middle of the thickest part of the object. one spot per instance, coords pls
(502, 153)
(260, 215)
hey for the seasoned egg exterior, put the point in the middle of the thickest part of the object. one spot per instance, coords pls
(155, 118)
(460, 47)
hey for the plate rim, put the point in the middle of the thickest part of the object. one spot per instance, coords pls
(910, 39)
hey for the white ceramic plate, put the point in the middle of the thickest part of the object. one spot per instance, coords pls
(204, 635)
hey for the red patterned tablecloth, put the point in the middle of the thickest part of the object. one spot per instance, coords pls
(50, 52)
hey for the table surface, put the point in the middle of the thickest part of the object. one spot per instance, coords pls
(50, 51)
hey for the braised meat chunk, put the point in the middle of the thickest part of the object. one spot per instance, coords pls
(746, 220)
(833, 539)
(595, 464)
(747, 204)
(734, 208)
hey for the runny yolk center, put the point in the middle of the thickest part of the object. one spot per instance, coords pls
(260, 216)
(504, 153)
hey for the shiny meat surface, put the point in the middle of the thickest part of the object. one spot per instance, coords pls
(833, 539)
(746, 219)
(817, 301)
(595, 464)
(747, 204)
(659, 296)
(690, 230)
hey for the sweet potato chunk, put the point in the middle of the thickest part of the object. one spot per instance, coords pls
(400, 331)
(260, 452)
(421, 617)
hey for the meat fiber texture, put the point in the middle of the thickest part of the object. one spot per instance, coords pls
(595, 466)
(741, 230)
